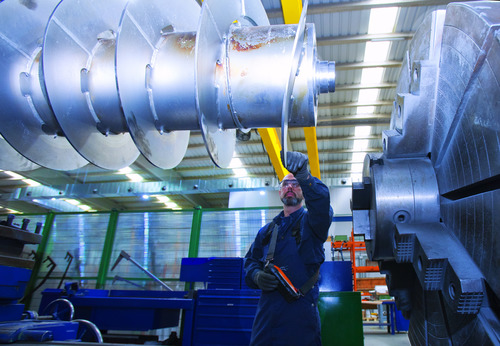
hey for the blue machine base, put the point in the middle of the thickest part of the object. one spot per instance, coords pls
(14, 281)
(124, 309)
(37, 331)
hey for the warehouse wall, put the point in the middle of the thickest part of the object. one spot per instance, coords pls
(340, 200)
(158, 240)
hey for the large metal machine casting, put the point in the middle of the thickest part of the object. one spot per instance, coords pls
(428, 207)
(102, 81)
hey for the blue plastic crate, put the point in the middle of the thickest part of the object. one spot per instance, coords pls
(336, 276)
(216, 272)
(224, 317)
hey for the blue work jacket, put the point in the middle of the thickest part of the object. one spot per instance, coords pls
(278, 322)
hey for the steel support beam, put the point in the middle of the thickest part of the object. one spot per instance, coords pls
(362, 5)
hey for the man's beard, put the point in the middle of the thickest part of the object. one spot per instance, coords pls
(291, 201)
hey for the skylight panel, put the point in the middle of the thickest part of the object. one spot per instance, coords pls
(382, 20)
(358, 157)
(360, 144)
(362, 131)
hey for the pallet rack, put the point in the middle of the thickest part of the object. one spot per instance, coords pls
(354, 246)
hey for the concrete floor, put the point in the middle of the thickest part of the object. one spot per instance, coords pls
(375, 336)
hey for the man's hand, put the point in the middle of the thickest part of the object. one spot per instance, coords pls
(265, 281)
(296, 163)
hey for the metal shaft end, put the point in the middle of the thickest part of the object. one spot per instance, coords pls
(325, 76)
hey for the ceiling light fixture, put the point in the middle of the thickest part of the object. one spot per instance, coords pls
(162, 199)
(14, 175)
(13, 211)
(134, 177)
(31, 182)
(125, 170)
(171, 205)
(236, 165)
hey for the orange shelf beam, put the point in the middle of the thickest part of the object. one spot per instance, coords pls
(354, 246)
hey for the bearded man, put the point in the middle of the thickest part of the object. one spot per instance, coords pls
(285, 258)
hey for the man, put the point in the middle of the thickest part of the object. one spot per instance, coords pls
(298, 252)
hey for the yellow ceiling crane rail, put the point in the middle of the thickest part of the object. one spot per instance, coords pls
(291, 11)
(291, 14)
(271, 141)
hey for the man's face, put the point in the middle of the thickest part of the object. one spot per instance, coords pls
(290, 191)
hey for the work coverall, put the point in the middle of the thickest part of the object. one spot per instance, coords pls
(278, 322)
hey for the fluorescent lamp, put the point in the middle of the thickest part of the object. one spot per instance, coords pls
(131, 176)
(31, 182)
(72, 201)
(145, 196)
(14, 175)
(134, 177)
(162, 199)
(13, 211)
(84, 207)
(125, 170)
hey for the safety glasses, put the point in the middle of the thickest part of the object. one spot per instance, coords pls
(288, 182)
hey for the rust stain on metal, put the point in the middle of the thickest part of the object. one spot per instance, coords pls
(186, 41)
(252, 38)
(219, 67)
(243, 46)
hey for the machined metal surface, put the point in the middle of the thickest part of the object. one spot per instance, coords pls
(428, 206)
(11, 160)
(144, 35)
(215, 19)
(27, 121)
(119, 78)
(79, 72)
